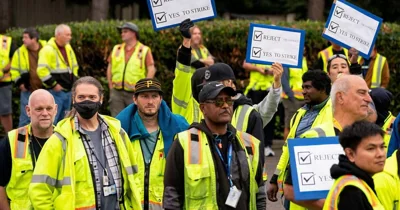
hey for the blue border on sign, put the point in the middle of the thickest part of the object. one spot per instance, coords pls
(249, 44)
(307, 142)
(177, 24)
(366, 13)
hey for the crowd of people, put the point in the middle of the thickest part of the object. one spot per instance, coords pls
(205, 152)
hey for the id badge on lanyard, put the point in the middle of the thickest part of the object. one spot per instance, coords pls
(107, 188)
(234, 193)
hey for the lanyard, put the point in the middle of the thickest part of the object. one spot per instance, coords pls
(228, 164)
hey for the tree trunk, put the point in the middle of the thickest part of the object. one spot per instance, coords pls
(5, 15)
(316, 9)
(100, 9)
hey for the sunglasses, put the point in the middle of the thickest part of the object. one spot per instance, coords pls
(337, 56)
(220, 102)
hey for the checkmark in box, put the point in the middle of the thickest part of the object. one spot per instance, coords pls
(256, 52)
(161, 17)
(304, 158)
(307, 178)
(156, 3)
(333, 27)
(339, 12)
(257, 36)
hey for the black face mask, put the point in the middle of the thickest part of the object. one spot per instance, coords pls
(87, 109)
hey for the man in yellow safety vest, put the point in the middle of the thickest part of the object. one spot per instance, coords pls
(21, 148)
(364, 156)
(212, 165)
(24, 69)
(128, 63)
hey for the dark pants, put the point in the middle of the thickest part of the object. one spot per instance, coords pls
(257, 96)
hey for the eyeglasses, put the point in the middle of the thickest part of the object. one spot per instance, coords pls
(337, 56)
(219, 102)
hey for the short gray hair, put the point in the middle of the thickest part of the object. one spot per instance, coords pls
(342, 84)
(60, 28)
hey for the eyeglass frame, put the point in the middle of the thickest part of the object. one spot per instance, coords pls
(229, 102)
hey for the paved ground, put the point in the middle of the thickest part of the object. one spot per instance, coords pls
(271, 165)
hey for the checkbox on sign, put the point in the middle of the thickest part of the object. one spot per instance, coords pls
(256, 52)
(338, 12)
(333, 27)
(257, 36)
(307, 178)
(304, 158)
(156, 3)
(161, 17)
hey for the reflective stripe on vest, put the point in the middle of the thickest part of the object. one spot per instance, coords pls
(387, 128)
(241, 117)
(332, 200)
(21, 170)
(194, 147)
(295, 80)
(5, 48)
(377, 71)
(247, 140)
(20, 147)
(124, 73)
(259, 81)
(327, 53)
(203, 52)
(49, 180)
(200, 176)
(320, 131)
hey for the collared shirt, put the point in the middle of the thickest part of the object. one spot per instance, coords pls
(308, 119)
(111, 156)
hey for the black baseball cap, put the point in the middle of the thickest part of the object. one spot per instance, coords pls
(212, 89)
(219, 72)
(147, 85)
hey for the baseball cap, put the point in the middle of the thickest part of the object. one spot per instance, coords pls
(130, 26)
(219, 72)
(198, 82)
(212, 89)
(147, 85)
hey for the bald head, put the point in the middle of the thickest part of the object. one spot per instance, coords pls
(63, 35)
(40, 94)
(41, 109)
(350, 96)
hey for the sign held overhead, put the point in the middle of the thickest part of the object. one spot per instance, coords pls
(170, 13)
(269, 44)
(310, 162)
(351, 26)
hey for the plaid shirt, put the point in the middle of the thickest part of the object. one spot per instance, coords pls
(111, 156)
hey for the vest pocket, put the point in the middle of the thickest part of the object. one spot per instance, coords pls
(197, 181)
(22, 169)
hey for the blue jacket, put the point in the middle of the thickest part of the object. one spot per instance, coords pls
(394, 142)
(169, 123)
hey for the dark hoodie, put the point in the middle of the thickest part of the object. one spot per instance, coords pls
(382, 99)
(352, 197)
(254, 127)
(174, 193)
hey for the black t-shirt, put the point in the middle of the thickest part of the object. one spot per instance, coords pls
(6, 159)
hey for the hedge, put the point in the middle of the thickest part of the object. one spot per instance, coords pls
(226, 40)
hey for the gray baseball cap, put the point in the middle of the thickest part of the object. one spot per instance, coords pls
(129, 25)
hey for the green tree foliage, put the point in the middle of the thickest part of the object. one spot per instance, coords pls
(226, 40)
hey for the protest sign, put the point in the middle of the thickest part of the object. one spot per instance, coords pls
(350, 26)
(169, 13)
(310, 162)
(268, 44)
